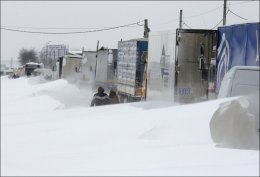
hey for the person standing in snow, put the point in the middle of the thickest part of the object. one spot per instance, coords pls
(113, 98)
(100, 98)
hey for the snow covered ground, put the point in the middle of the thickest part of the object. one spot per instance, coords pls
(48, 128)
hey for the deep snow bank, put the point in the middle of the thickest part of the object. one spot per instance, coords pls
(68, 95)
(45, 131)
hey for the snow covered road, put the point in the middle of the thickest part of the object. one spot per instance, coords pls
(49, 129)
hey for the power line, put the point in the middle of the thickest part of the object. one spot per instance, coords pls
(217, 24)
(27, 27)
(187, 25)
(75, 32)
(203, 13)
(165, 22)
(206, 12)
(209, 11)
(232, 13)
(219, 21)
(242, 2)
(237, 15)
(48, 28)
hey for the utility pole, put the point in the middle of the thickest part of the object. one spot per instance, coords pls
(60, 67)
(180, 25)
(11, 63)
(224, 12)
(97, 45)
(146, 29)
(47, 56)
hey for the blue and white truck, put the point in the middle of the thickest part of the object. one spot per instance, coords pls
(131, 69)
(235, 123)
(237, 45)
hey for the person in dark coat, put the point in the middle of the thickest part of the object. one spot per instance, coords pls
(113, 98)
(100, 98)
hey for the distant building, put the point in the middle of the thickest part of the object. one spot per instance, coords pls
(51, 53)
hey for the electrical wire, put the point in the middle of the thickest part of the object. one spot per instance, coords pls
(97, 29)
(75, 32)
(187, 25)
(217, 24)
(232, 4)
(219, 21)
(203, 13)
(209, 11)
(46, 28)
(237, 15)
(232, 13)
(160, 24)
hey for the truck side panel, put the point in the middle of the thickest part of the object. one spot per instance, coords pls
(161, 57)
(238, 45)
(101, 67)
(126, 66)
(194, 51)
(130, 66)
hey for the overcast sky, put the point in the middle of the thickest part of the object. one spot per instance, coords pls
(161, 15)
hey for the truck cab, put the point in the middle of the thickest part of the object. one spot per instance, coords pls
(30, 67)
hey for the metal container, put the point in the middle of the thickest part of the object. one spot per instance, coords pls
(88, 66)
(131, 67)
(194, 52)
(106, 64)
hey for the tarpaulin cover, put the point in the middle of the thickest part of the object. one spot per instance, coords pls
(238, 45)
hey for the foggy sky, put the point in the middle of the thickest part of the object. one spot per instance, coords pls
(161, 15)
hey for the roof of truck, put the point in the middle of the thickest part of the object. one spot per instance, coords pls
(32, 63)
(235, 68)
(139, 39)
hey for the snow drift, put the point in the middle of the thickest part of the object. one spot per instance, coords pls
(48, 128)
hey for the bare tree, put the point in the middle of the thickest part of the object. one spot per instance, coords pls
(43, 57)
(26, 56)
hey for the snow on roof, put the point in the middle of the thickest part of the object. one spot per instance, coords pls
(75, 52)
(246, 67)
(139, 39)
(73, 56)
(32, 63)
(232, 71)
